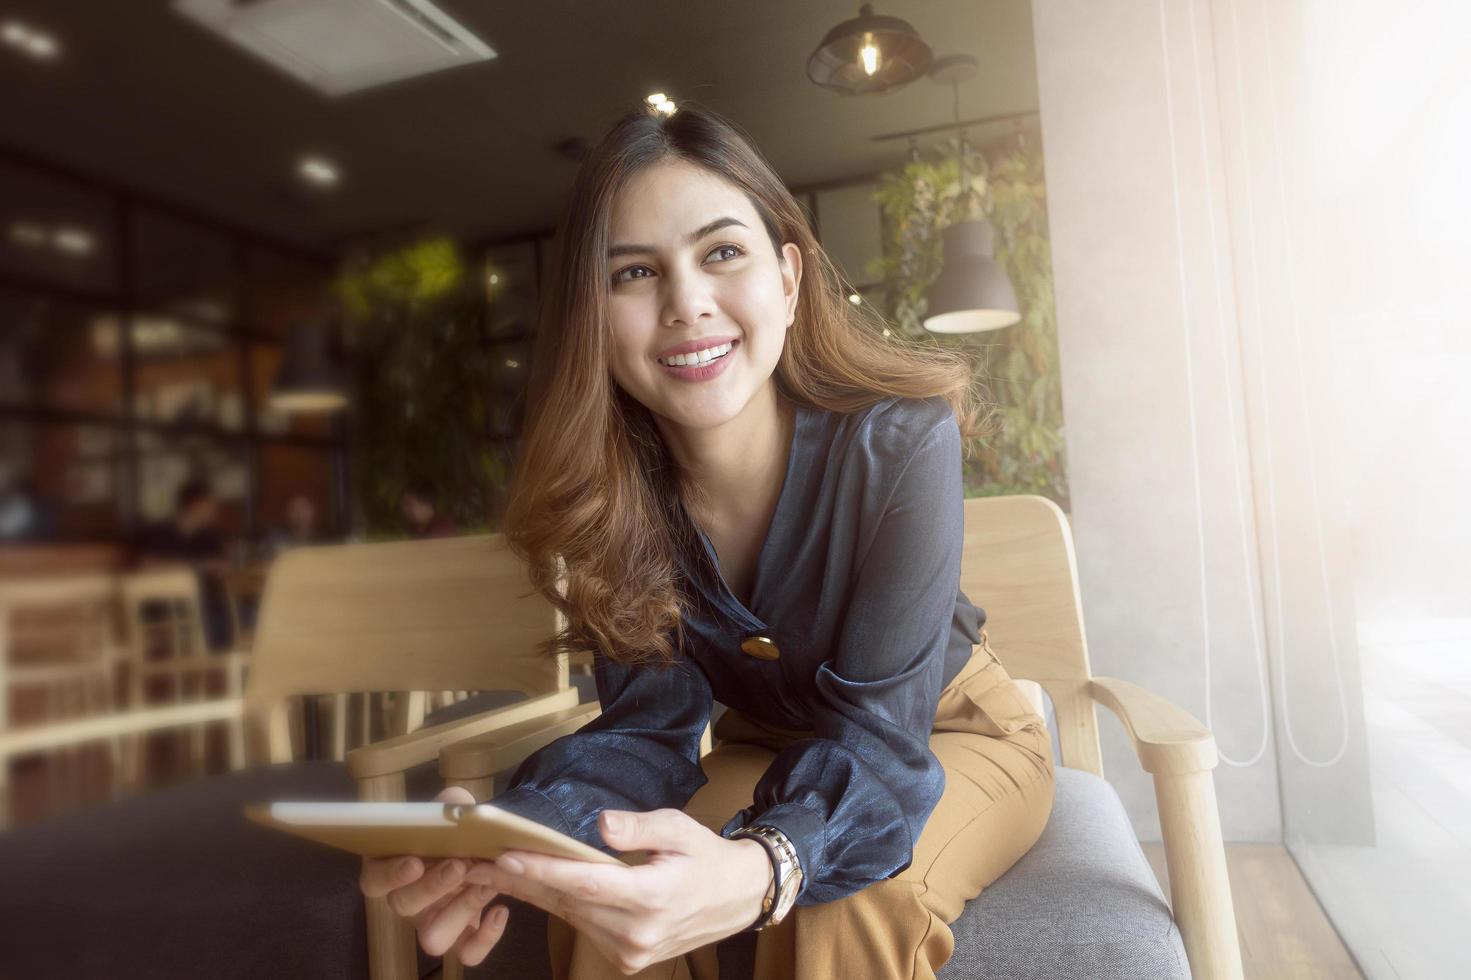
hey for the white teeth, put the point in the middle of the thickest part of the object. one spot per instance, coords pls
(699, 357)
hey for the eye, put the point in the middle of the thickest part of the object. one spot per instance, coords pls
(734, 248)
(620, 276)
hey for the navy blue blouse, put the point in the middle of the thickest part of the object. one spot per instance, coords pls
(857, 584)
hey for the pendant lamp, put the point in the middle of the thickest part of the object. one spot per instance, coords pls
(869, 54)
(973, 292)
(310, 377)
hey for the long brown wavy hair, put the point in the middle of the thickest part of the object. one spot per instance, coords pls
(597, 505)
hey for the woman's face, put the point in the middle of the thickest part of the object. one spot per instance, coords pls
(690, 261)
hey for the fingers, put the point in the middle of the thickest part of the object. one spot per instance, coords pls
(383, 875)
(657, 830)
(441, 878)
(517, 886)
(479, 943)
(439, 928)
(601, 883)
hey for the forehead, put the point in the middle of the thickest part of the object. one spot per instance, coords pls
(669, 199)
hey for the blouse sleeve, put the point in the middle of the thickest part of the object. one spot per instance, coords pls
(641, 753)
(854, 799)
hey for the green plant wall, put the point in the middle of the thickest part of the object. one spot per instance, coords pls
(1017, 365)
(421, 385)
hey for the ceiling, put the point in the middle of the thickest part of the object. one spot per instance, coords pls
(142, 96)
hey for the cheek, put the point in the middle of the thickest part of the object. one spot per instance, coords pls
(757, 303)
(629, 330)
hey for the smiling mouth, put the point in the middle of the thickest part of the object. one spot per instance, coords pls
(694, 361)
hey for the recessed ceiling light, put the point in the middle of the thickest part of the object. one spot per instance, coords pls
(855, 299)
(655, 99)
(318, 171)
(73, 241)
(37, 44)
(27, 234)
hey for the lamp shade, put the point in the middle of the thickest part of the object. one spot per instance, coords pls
(838, 64)
(310, 378)
(973, 292)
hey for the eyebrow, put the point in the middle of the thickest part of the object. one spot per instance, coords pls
(690, 239)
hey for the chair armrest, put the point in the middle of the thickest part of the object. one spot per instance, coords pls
(1167, 739)
(399, 754)
(485, 755)
(1180, 752)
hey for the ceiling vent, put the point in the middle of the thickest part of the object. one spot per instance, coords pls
(341, 46)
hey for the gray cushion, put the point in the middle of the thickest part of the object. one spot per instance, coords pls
(1082, 903)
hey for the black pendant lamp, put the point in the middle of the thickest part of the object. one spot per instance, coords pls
(310, 377)
(869, 54)
(973, 292)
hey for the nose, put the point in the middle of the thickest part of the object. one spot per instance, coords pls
(686, 298)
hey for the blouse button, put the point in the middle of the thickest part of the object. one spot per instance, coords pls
(760, 647)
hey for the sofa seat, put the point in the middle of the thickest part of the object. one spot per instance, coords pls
(1082, 904)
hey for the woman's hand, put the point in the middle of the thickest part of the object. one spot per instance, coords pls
(696, 888)
(448, 911)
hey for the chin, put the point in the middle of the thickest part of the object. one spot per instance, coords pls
(702, 410)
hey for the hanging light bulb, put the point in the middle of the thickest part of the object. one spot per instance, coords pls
(870, 54)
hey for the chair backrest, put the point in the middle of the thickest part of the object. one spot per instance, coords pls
(1018, 565)
(443, 614)
(164, 612)
(52, 628)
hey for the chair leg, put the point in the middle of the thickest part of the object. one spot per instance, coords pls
(235, 729)
(1200, 889)
(391, 944)
(4, 792)
(339, 726)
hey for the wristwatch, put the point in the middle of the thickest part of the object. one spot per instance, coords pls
(786, 873)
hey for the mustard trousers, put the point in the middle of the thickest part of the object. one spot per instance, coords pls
(997, 755)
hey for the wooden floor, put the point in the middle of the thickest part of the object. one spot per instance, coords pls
(1284, 933)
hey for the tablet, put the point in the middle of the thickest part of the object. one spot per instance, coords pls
(429, 830)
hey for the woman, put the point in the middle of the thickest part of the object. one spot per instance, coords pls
(776, 524)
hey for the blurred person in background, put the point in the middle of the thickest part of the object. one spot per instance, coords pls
(24, 516)
(193, 536)
(301, 527)
(422, 513)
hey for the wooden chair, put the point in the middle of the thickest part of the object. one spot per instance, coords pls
(1019, 565)
(58, 639)
(166, 639)
(447, 614)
